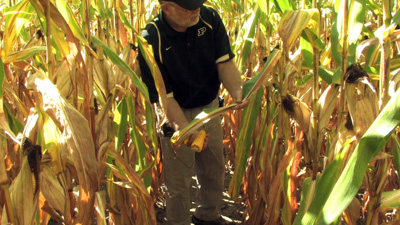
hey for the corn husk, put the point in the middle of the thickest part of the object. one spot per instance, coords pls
(362, 100)
(299, 110)
(24, 190)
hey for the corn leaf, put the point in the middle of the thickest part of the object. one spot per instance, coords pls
(136, 187)
(69, 17)
(356, 20)
(206, 115)
(250, 31)
(2, 75)
(389, 200)
(16, 17)
(335, 38)
(255, 82)
(396, 18)
(325, 208)
(147, 52)
(245, 139)
(120, 124)
(283, 5)
(135, 136)
(123, 66)
(396, 153)
(325, 74)
(23, 54)
(292, 25)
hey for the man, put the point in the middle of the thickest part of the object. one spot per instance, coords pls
(192, 50)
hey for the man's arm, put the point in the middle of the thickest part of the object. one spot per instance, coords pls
(229, 75)
(175, 114)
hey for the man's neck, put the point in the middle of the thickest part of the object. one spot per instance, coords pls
(174, 25)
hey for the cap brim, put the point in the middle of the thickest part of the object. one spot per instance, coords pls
(190, 4)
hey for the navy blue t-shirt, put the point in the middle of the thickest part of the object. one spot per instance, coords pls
(187, 61)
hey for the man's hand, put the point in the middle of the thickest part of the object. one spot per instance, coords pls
(190, 141)
(241, 104)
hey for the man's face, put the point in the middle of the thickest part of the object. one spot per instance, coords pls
(182, 17)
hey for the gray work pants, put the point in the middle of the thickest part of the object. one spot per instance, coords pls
(209, 167)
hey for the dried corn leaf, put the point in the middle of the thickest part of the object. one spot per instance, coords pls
(140, 198)
(292, 25)
(52, 190)
(63, 78)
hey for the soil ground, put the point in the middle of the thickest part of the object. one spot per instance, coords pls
(229, 209)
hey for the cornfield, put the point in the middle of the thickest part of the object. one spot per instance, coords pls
(318, 144)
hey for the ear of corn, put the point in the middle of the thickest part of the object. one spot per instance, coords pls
(362, 100)
(198, 143)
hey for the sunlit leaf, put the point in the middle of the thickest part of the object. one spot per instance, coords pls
(16, 18)
(292, 24)
(325, 208)
(250, 31)
(23, 54)
(283, 5)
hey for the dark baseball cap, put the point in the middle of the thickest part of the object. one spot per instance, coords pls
(188, 4)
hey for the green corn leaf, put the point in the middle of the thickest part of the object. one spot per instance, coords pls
(396, 153)
(283, 5)
(389, 200)
(151, 125)
(307, 193)
(326, 74)
(137, 140)
(396, 18)
(123, 66)
(99, 5)
(326, 208)
(254, 83)
(336, 44)
(245, 139)
(311, 37)
(302, 81)
(356, 21)
(135, 136)
(23, 54)
(306, 51)
(120, 124)
(250, 31)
